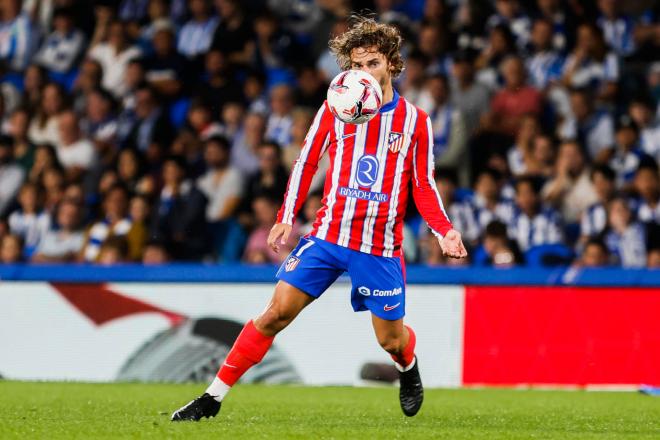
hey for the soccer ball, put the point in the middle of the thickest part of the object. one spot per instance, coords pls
(354, 97)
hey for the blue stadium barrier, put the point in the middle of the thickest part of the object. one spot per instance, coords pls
(416, 274)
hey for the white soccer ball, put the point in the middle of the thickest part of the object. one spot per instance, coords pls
(354, 97)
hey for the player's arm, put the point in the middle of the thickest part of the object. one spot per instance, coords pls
(301, 176)
(426, 194)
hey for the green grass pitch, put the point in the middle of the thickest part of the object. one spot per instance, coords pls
(84, 411)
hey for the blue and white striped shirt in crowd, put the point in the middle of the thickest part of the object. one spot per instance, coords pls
(625, 165)
(628, 248)
(592, 73)
(474, 216)
(18, 41)
(544, 67)
(618, 34)
(543, 228)
(594, 220)
(58, 52)
(596, 133)
(196, 37)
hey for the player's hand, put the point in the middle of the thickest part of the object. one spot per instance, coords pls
(279, 234)
(452, 245)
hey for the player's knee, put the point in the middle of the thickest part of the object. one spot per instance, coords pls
(273, 319)
(390, 344)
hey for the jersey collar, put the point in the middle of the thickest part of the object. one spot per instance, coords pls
(392, 104)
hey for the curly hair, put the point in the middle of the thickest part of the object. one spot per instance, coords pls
(365, 32)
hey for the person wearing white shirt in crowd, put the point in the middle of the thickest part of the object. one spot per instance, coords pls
(62, 48)
(76, 154)
(532, 223)
(278, 126)
(571, 190)
(114, 56)
(29, 222)
(487, 205)
(44, 127)
(509, 14)
(593, 129)
(11, 175)
(196, 35)
(64, 240)
(641, 111)
(627, 155)
(624, 237)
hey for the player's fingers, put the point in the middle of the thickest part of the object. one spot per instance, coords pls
(285, 236)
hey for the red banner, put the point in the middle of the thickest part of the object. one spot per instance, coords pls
(561, 335)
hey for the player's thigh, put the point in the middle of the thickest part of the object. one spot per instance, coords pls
(378, 286)
(312, 266)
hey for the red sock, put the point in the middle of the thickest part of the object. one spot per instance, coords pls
(407, 355)
(249, 349)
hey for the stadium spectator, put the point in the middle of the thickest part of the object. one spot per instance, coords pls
(61, 49)
(501, 44)
(311, 90)
(278, 125)
(64, 239)
(624, 237)
(99, 124)
(618, 29)
(113, 55)
(641, 111)
(222, 185)
(218, 86)
(498, 249)
(309, 211)
(17, 129)
(544, 63)
(514, 101)
(520, 154)
(113, 251)
(44, 128)
(34, 80)
(19, 37)
(11, 249)
(553, 12)
(155, 253)
(166, 70)
(594, 254)
(412, 79)
(449, 133)
(180, 212)
(74, 152)
(114, 222)
(11, 175)
(532, 223)
(152, 131)
(29, 222)
(196, 35)
(487, 204)
(541, 161)
(472, 98)
(89, 79)
(571, 190)
(594, 218)
(271, 177)
(591, 128)
(247, 141)
(590, 65)
(257, 250)
(627, 155)
(234, 34)
(509, 13)
(647, 186)
(52, 181)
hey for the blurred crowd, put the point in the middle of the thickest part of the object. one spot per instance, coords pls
(165, 130)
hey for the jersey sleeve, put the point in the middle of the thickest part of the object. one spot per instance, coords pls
(424, 191)
(305, 166)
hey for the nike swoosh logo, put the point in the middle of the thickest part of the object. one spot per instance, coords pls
(346, 136)
(388, 308)
(232, 366)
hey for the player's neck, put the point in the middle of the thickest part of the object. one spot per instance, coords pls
(388, 93)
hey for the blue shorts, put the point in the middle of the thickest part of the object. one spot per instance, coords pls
(377, 282)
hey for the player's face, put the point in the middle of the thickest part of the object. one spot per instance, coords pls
(369, 60)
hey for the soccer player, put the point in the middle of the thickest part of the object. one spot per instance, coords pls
(359, 226)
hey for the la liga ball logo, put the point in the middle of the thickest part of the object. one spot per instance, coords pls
(354, 97)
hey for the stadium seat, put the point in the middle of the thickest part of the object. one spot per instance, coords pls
(548, 255)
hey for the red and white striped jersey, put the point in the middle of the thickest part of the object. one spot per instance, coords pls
(366, 189)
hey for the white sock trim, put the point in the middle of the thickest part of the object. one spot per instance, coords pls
(408, 368)
(218, 389)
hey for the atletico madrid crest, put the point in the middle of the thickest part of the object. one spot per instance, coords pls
(395, 141)
(291, 263)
